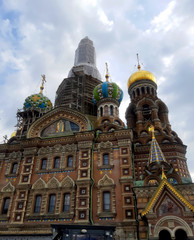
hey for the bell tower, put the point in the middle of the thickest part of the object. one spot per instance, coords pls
(147, 109)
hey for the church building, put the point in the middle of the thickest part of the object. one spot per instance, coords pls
(74, 171)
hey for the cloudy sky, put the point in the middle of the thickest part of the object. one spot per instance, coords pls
(40, 37)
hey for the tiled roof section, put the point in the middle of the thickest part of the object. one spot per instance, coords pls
(156, 154)
(157, 193)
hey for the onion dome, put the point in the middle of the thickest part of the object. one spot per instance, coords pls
(107, 90)
(38, 101)
(140, 75)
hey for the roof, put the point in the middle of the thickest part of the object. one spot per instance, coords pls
(165, 183)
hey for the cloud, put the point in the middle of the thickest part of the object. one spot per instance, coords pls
(41, 36)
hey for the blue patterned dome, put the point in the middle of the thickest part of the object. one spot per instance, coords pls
(37, 102)
(107, 90)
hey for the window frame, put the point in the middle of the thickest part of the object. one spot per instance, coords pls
(70, 161)
(105, 161)
(51, 206)
(13, 168)
(56, 163)
(37, 205)
(5, 207)
(43, 166)
(106, 201)
(66, 199)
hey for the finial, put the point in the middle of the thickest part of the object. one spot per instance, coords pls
(5, 139)
(43, 81)
(163, 173)
(107, 73)
(151, 129)
(138, 66)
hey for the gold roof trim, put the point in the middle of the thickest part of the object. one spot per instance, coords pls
(158, 191)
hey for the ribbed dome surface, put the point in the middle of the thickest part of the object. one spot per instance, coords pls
(107, 90)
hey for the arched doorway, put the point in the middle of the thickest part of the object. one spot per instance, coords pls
(180, 234)
(164, 235)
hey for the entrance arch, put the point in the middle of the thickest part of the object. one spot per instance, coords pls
(164, 235)
(180, 234)
(164, 222)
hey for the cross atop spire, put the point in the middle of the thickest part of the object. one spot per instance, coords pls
(107, 73)
(138, 66)
(43, 81)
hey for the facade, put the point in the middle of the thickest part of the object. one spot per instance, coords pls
(75, 171)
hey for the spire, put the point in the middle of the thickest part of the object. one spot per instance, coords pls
(156, 154)
(138, 66)
(43, 81)
(107, 73)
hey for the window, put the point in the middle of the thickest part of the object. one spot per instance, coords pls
(14, 168)
(111, 110)
(51, 207)
(43, 163)
(106, 201)
(56, 162)
(66, 202)
(101, 111)
(37, 204)
(5, 205)
(28, 160)
(106, 159)
(70, 161)
(82, 191)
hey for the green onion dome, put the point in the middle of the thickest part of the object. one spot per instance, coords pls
(37, 102)
(107, 90)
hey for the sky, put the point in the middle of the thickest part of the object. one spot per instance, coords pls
(40, 37)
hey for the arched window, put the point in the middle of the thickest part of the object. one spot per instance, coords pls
(14, 168)
(43, 163)
(56, 162)
(105, 159)
(143, 90)
(5, 208)
(111, 110)
(51, 207)
(101, 111)
(138, 93)
(106, 110)
(66, 202)
(37, 204)
(148, 90)
(70, 161)
(106, 201)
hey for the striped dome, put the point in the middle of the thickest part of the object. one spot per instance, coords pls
(107, 90)
(37, 102)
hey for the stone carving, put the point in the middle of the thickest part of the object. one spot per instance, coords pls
(15, 155)
(53, 183)
(8, 188)
(105, 181)
(105, 145)
(67, 182)
(39, 184)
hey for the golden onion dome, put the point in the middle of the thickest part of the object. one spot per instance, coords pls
(140, 75)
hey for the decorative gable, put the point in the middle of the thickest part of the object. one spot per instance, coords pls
(166, 205)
